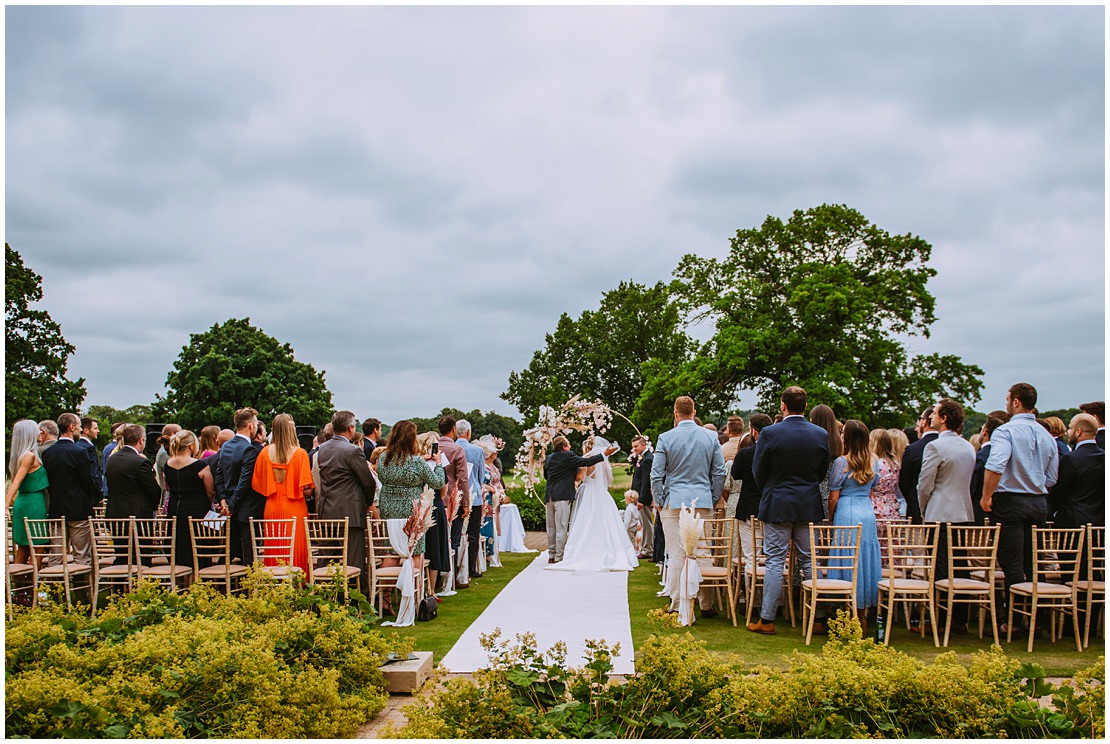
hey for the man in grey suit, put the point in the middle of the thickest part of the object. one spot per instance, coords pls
(687, 469)
(346, 488)
(944, 486)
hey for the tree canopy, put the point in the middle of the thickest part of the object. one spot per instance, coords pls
(236, 365)
(36, 353)
(600, 354)
(504, 427)
(822, 301)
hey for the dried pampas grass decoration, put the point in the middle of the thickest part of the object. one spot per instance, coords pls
(689, 529)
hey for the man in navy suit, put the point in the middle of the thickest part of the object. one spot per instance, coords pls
(72, 489)
(791, 459)
(1098, 410)
(911, 465)
(234, 471)
(1079, 496)
(90, 430)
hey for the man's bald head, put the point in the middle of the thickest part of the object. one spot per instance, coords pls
(1083, 428)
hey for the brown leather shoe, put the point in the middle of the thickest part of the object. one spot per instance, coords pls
(465, 585)
(819, 628)
(761, 627)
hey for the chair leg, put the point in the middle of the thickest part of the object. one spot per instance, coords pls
(808, 613)
(1087, 621)
(947, 627)
(1075, 628)
(933, 621)
(1032, 626)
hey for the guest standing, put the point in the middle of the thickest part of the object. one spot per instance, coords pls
(283, 475)
(456, 499)
(209, 441)
(234, 472)
(911, 465)
(1079, 496)
(160, 458)
(791, 460)
(191, 488)
(72, 489)
(404, 474)
(132, 488)
(687, 470)
(885, 495)
(26, 497)
(747, 505)
(437, 546)
(476, 460)
(346, 488)
(853, 479)
(823, 416)
(1022, 467)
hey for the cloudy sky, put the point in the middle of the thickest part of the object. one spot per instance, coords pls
(412, 196)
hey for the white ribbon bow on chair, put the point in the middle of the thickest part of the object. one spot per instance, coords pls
(406, 580)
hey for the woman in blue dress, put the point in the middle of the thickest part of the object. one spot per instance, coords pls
(853, 477)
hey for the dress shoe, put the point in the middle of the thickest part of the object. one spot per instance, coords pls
(550, 560)
(819, 628)
(706, 614)
(462, 585)
(761, 627)
(474, 575)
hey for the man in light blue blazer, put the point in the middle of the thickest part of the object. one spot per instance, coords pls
(688, 469)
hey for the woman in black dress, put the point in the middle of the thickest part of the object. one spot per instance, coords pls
(191, 488)
(437, 548)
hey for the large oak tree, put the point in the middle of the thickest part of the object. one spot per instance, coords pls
(236, 365)
(823, 300)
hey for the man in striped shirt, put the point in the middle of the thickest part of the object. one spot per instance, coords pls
(1020, 470)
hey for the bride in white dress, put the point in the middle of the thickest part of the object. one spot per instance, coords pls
(597, 539)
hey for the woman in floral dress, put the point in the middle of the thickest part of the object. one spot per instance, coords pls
(404, 474)
(885, 496)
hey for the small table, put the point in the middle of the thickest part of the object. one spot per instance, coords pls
(512, 531)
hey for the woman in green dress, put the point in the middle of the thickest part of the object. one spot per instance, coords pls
(404, 474)
(27, 492)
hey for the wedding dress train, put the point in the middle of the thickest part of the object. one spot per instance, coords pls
(597, 539)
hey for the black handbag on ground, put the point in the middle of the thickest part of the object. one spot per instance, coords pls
(428, 609)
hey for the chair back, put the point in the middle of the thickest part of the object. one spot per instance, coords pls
(377, 534)
(834, 548)
(1057, 553)
(211, 542)
(911, 548)
(716, 541)
(154, 538)
(1096, 553)
(111, 539)
(47, 538)
(99, 511)
(274, 539)
(755, 529)
(327, 542)
(972, 549)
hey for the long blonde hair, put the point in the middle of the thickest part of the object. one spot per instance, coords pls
(898, 441)
(284, 439)
(857, 451)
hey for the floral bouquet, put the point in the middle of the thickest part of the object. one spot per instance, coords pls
(574, 415)
(421, 520)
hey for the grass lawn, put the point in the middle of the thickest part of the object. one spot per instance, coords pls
(1059, 659)
(457, 612)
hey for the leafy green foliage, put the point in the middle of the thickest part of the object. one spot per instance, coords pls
(236, 365)
(505, 427)
(285, 662)
(853, 688)
(820, 301)
(36, 353)
(106, 415)
(600, 354)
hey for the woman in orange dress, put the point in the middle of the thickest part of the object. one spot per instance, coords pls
(282, 474)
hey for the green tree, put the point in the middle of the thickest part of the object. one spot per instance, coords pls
(36, 353)
(235, 365)
(822, 301)
(106, 416)
(602, 355)
(505, 427)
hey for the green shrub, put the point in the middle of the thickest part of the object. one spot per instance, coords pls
(854, 688)
(285, 662)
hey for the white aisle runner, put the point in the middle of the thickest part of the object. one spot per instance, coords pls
(555, 606)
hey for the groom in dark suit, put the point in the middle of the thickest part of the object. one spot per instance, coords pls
(641, 484)
(560, 469)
